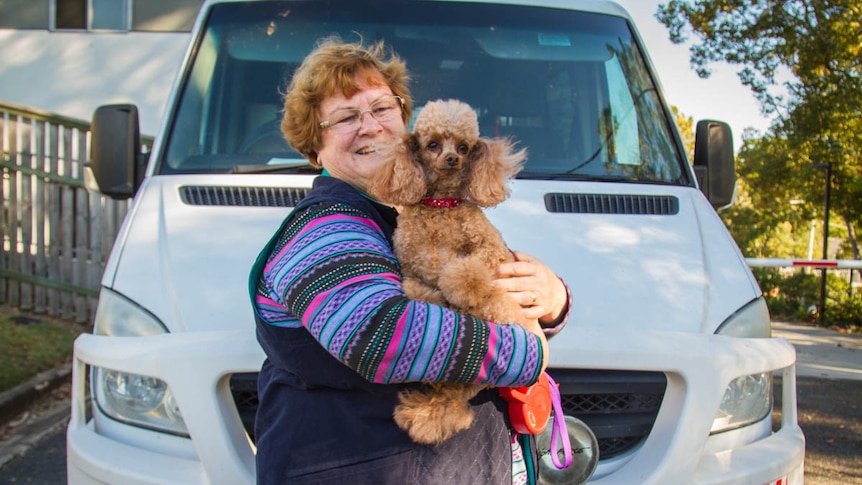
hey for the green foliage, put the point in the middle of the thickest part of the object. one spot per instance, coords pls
(801, 59)
(686, 129)
(790, 293)
(29, 346)
(846, 313)
(766, 220)
(815, 40)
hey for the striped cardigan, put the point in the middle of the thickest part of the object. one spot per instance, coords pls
(342, 340)
(333, 272)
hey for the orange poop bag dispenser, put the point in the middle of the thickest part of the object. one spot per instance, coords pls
(529, 406)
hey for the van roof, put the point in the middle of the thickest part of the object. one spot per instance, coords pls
(597, 6)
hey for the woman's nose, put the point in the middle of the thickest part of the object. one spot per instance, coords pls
(368, 123)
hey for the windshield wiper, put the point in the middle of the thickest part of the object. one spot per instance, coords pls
(304, 168)
(571, 176)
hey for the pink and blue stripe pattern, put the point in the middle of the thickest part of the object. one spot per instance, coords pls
(334, 273)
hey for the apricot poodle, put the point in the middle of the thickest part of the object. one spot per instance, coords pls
(441, 177)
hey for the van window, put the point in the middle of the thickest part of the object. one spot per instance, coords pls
(571, 87)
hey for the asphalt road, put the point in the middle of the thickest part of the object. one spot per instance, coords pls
(829, 393)
(829, 402)
(830, 415)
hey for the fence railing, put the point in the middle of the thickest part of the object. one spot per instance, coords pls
(56, 234)
(804, 263)
(847, 266)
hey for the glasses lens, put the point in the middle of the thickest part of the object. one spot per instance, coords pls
(347, 120)
(385, 108)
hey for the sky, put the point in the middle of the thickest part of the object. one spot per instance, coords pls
(720, 97)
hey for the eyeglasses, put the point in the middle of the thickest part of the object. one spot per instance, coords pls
(348, 120)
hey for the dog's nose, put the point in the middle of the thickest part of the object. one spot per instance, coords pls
(452, 160)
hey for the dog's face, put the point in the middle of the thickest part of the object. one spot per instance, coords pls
(443, 153)
(445, 133)
(445, 157)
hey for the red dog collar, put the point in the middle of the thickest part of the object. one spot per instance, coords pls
(447, 203)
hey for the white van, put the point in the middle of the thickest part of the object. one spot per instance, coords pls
(666, 357)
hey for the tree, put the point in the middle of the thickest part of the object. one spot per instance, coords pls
(768, 220)
(686, 129)
(818, 44)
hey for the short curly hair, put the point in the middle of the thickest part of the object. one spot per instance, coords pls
(333, 66)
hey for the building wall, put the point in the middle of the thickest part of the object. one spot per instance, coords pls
(126, 15)
(24, 14)
(71, 71)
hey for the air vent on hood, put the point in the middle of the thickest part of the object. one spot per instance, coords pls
(242, 196)
(664, 205)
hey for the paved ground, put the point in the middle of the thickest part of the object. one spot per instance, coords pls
(823, 353)
(829, 394)
(830, 415)
(829, 384)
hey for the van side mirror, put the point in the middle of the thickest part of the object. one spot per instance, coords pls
(714, 164)
(115, 150)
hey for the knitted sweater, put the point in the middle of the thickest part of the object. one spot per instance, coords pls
(342, 340)
(334, 270)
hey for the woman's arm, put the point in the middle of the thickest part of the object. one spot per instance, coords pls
(338, 277)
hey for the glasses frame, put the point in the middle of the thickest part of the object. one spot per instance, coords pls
(361, 113)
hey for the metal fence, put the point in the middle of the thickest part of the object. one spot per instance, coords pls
(56, 234)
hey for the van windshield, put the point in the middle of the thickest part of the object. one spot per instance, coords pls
(572, 87)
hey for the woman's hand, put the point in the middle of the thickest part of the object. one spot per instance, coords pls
(541, 294)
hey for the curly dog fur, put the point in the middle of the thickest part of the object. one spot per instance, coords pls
(442, 175)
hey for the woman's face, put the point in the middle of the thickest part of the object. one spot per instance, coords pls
(353, 156)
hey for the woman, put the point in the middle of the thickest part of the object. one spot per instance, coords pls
(336, 326)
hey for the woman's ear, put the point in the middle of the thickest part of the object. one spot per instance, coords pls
(401, 179)
(493, 162)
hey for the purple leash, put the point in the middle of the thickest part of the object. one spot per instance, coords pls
(559, 431)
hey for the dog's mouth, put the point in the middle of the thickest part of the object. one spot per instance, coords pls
(448, 170)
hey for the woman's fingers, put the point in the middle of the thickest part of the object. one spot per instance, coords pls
(532, 285)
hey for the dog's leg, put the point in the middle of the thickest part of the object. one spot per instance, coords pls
(417, 290)
(466, 283)
(433, 416)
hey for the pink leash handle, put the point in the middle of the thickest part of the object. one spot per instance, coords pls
(559, 430)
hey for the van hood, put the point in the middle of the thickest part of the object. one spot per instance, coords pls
(627, 267)
(188, 264)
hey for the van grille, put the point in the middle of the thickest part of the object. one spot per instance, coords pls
(242, 196)
(243, 387)
(662, 205)
(619, 406)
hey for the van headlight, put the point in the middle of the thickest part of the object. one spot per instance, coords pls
(748, 399)
(131, 398)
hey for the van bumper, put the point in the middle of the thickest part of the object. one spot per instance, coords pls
(198, 366)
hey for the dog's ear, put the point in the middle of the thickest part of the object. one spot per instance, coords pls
(492, 163)
(401, 179)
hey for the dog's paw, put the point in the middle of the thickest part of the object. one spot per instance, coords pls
(466, 283)
(416, 290)
(430, 420)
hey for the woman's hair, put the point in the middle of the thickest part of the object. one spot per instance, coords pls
(330, 68)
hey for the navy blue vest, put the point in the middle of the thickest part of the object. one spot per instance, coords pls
(319, 422)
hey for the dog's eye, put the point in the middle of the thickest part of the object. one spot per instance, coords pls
(463, 148)
(433, 145)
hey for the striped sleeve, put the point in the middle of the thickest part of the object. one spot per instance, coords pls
(334, 273)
